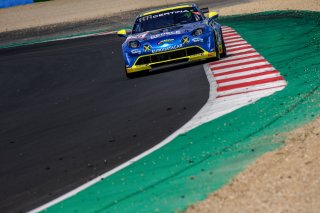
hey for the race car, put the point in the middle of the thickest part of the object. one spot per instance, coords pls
(171, 36)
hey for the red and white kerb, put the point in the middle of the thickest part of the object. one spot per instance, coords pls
(244, 70)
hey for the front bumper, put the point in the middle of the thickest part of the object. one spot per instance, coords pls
(170, 58)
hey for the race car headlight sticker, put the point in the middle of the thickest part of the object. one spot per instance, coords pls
(134, 44)
(198, 32)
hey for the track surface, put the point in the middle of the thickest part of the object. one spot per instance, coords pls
(68, 114)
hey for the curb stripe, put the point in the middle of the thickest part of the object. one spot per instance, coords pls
(240, 51)
(237, 60)
(244, 70)
(247, 76)
(238, 63)
(244, 55)
(236, 43)
(248, 66)
(249, 79)
(264, 89)
(239, 46)
(228, 31)
(251, 51)
(232, 75)
(233, 40)
(252, 88)
(251, 83)
(232, 37)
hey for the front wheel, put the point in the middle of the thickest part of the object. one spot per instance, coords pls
(136, 74)
(129, 75)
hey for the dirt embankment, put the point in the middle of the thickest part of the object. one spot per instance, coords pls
(62, 11)
(286, 180)
(57, 12)
(255, 6)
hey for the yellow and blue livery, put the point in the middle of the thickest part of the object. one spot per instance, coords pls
(170, 36)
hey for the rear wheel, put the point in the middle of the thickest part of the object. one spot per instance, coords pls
(224, 49)
(216, 49)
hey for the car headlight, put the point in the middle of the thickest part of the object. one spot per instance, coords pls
(198, 32)
(134, 44)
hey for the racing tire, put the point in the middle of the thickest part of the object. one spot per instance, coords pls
(224, 49)
(216, 48)
(136, 74)
(130, 75)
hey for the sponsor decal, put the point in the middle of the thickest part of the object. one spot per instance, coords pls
(147, 47)
(165, 41)
(135, 52)
(155, 16)
(185, 40)
(177, 32)
(196, 40)
(167, 48)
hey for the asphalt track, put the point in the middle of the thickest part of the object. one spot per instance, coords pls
(68, 114)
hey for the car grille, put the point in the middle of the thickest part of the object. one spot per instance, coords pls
(168, 55)
(169, 62)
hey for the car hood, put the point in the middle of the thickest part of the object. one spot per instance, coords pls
(169, 32)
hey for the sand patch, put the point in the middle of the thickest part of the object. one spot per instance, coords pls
(286, 180)
(70, 11)
(268, 5)
(66, 11)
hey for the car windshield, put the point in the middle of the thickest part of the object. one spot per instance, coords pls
(166, 19)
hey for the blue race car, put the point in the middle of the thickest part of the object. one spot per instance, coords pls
(170, 36)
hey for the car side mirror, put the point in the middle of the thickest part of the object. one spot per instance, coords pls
(204, 10)
(213, 15)
(122, 33)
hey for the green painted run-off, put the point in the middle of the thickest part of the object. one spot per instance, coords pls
(201, 161)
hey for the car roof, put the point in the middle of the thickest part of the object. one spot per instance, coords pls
(178, 6)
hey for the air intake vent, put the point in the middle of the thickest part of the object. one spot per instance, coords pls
(165, 56)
